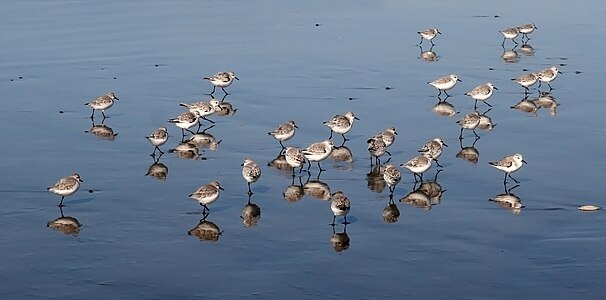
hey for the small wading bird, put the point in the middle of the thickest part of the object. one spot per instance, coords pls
(66, 186)
(102, 103)
(251, 172)
(428, 34)
(222, 80)
(509, 164)
(340, 206)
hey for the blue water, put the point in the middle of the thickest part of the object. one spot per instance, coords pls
(307, 62)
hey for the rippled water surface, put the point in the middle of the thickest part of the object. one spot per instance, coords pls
(306, 61)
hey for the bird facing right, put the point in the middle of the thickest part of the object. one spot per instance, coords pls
(284, 132)
(222, 80)
(428, 34)
(341, 124)
(66, 186)
(102, 103)
(158, 138)
(207, 194)
(482, 93)
(445, 83)
(509, 164)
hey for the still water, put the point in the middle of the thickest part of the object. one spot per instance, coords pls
(141, 237)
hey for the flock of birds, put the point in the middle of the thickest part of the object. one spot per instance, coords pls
(297, 158)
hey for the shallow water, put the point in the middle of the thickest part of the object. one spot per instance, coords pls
(134, 241)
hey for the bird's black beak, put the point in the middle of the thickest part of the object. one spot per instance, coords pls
(242, 165)
(395, 133)
(443, 144)
(524, 161)
(221, 188)
(80, 180)
(237, 78)
(459, 80)
(494, 87)
(356, 118)
(296, 126)
(559, 72)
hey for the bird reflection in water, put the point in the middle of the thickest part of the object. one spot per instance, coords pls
(157, 169)
(186, 150)
(340, 240)
(527, 106)
(102, 131)
(65, 224)
(417, 198)
(429, 55)
(374, 178)
(203, 140)
(546, 100)
(342, 154)
(444, 108)
(527, 49)
(509, 200)
(510, 55)
(206, 231)
(280, 163)
(294, 192)
(227, 109)
(432, 189)
(391, 213)
(250, 214)
(317, 189)
(469, 153)
(486, 123)
(427, 195)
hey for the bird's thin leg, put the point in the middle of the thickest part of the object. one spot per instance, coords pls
(330, 137)
(282, 145)
(461, 134)
(345, 218)
(249, 191)
(474, 132)
(321, 170)
(421, 42)
(505, 179)
(190, 131)
(487, 103)
(475, 104)
(61, 203)
(445, 92)
(388, 152)
(93, 114)
(103, 113)
(214, 87)
(438, 164)
(344, 138)
(516, 181)
(333, 222)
